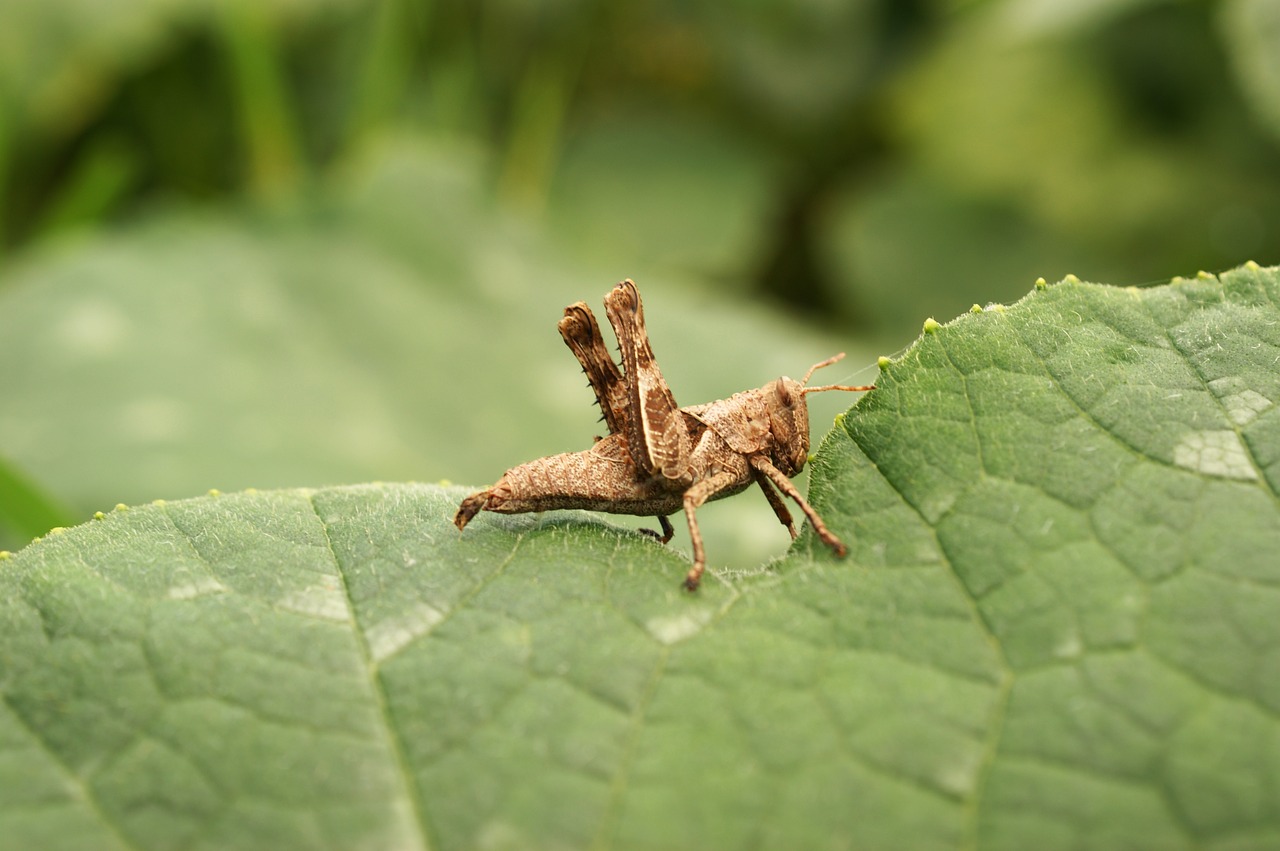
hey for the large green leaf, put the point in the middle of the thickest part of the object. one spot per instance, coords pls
(1056, 628)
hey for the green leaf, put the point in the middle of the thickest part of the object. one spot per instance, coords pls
(1056, 628)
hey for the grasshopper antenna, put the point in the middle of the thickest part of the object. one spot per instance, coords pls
(817, 366)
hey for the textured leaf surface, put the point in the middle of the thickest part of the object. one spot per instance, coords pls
(1056, 628)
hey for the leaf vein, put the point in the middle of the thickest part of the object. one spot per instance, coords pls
(378, 691)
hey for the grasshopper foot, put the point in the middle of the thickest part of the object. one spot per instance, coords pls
(837, 546)
(693, 578)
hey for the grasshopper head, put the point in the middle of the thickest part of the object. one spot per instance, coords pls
(789, 417)
(789, 425)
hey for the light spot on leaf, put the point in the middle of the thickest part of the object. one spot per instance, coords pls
(198, 587)
(1245, 406)
(499, 834)
(388, 636)
(958, 777)
(1069, 647)
(1214, 453)
(673, 628)
(318, 601)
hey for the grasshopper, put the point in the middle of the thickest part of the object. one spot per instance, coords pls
(659, 458)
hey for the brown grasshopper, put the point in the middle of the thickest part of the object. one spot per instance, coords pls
(658, 457)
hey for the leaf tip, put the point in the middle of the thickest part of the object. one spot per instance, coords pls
(1206, 276)
(213, 492)
(883, 362)
(931, 326)
(159, 503)
(977, 308)
(1252, 265)
(57, 530)
(1041, 283)
(98, 515)
(1070, 279)
(120, 506)
(5, 555)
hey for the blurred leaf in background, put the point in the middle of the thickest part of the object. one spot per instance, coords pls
(286, 244)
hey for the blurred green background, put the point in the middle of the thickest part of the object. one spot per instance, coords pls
(283, 243)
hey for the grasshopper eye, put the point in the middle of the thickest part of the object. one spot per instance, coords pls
(784, 393)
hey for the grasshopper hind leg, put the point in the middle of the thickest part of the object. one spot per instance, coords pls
(581, 334)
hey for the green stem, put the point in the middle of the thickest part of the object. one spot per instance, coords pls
(541, 103)
(270, 138)
(388, 61)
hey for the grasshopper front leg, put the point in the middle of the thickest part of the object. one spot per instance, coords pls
(775, 502)
(784, 484)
